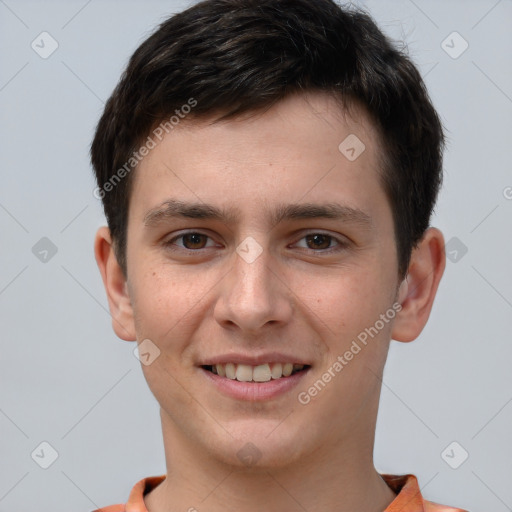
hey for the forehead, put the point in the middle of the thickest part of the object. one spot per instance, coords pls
(306, 148)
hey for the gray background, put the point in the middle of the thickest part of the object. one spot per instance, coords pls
(68, 381)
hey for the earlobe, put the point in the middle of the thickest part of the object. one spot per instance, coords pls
(417, 295)
(115, 285)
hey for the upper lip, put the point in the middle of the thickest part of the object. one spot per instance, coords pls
(253, 360)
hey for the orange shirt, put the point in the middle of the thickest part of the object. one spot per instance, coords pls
(409, 497)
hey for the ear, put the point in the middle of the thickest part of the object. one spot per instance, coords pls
(116, 286)
(428, 261)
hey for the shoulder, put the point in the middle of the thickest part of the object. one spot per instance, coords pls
(409, 497)
(135, 501)
(431, 506)
(111, 508)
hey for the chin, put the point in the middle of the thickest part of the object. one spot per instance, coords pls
(259, 445)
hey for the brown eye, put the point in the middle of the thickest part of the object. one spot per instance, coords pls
(194, 240)
(190, 241)
(318, 241)
(322, 243)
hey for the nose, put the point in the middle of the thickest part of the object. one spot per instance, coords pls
(254, 295)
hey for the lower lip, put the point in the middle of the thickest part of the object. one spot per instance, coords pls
(254, 391)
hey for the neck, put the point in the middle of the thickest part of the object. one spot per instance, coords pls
(341, 480)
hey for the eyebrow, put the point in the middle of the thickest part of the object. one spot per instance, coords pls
(172, 208)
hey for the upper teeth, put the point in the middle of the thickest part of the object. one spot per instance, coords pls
(260, 373)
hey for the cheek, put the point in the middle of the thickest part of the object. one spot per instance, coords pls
(168, 301)
(156, 306)
(346, 300)
(347, 311)
(164, 308)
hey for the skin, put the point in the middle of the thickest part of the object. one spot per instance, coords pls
(202, 299)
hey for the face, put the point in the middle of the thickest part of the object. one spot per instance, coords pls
(256, 242)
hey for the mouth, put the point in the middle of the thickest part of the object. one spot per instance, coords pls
(261, 373)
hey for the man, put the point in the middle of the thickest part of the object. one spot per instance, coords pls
(268, 171)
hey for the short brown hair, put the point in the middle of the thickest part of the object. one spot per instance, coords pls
(236, 56)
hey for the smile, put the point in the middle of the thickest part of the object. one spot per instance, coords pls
(260, 373)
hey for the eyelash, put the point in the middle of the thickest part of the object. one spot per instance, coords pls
(339, 247)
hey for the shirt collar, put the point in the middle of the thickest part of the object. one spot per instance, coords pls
(409, 498)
